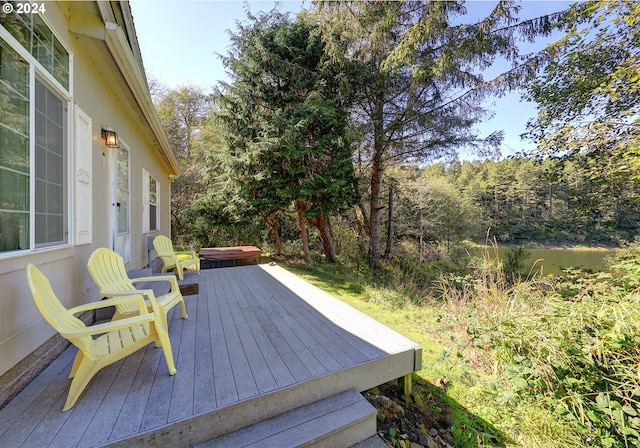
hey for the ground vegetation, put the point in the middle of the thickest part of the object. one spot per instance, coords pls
(509, 361)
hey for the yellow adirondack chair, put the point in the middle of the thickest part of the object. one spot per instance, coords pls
(169, 257)
(108, 272)
(102, 344)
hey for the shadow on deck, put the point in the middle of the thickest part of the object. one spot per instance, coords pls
(259, 342)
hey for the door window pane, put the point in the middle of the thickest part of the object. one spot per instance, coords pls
(123, 190)
(153, 204)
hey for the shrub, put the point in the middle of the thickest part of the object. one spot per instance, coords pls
(515, 262)
(578, 351)
(571, 344)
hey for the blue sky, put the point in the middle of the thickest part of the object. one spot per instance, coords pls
(180, 42)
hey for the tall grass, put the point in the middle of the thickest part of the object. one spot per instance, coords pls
(570, 346)
(536, 361)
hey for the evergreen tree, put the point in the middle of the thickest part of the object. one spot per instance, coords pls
(418, 81)
(286, 124)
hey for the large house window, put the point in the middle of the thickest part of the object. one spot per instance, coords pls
(34, 142)
(36, 37)
(151, 210)
(14, 150)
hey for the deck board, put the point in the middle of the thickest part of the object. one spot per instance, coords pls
(258, 366)
(157, 410)
(258, 341)
(113, 402)
(204, 392)
(276, 367)
(181, 403)
(245, 385)
(268, 339)
(74, 427)
(49, 386)
(225, 386)
(129, 419)
(158, 403)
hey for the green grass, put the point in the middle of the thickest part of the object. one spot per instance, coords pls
(460, 377)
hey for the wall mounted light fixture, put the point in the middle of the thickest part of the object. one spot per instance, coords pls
(110, 137)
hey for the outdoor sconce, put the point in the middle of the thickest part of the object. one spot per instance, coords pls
(110, 137)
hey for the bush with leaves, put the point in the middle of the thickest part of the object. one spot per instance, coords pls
(578, 352)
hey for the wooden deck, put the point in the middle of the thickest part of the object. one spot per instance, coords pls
(259, 341)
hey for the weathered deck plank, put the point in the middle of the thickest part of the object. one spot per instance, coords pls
(156, 412)
(130, 417)
(49, 386)
(258, 341)
(79, 422)
(181, 398)
(245, 385)
(113, 402)
(204, 391)
(259, 368)
(252, 306)
(225, 385)
(323, 335)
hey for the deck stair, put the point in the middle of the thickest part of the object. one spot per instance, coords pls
(341, 420)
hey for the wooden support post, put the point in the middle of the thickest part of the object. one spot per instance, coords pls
(404, 384)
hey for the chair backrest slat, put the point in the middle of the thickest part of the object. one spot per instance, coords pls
(164, 248)
(107, 270)
(52, 310)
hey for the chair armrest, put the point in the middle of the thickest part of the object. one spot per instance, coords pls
(160, 278)
(191, 253)
(139, 292)
(128, 298)
(106, 327)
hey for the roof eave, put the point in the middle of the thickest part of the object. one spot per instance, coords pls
(118, 45)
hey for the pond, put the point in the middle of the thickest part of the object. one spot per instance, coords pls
(553, 259)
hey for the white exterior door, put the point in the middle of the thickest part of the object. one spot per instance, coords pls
(120, 202)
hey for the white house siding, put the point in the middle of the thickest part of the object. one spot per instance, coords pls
(100, 90)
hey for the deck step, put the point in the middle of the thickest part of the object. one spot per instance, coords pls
(341, 420)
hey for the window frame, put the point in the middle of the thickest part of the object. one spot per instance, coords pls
(36, 71)
(147, 203)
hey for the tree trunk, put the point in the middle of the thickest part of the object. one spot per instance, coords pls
(324, 227)
(550, 202)
(363, 218)
(388, 249)
(525, 206)
(303, 237)
(374, 216)
(421, 248)
(274, 226)
(376, 180)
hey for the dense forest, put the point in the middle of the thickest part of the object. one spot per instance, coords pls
(336, 143)
(518, 200)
